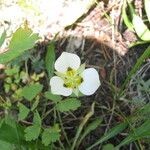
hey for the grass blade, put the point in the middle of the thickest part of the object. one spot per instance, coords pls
(114, 131)
(84, 121)
(139, 62)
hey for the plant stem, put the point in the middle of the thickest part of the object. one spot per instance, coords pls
(61, 123)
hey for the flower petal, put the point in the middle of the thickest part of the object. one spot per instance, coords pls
(90, 82)
(57, 87)
(67, 60)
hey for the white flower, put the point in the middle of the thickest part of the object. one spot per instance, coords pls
(72, 77)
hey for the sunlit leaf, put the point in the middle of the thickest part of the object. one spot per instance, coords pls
(141, 29)
(147, 9)
(126, 19)
(23, 39)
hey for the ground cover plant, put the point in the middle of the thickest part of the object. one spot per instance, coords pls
(81, 95)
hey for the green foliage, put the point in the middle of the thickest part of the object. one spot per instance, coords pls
(90, 127)
(37, 64)
(81, 126)
(23, 111)
(147, 4)
(135, 68)
(52, 97)
(141, 132)
(12, 134)
(137, 24)
(108, 147)
(111, 133)
(51, 135)
(23, 39)
(2, 38)
(32, 132)
(50, 60)
(68, 104)
(31, 91)
(35, 104)
(6, 146)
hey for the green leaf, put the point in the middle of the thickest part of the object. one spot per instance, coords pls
(108, 147)
(2, 38)
(141, 29)
(12, 71)
(13, 135)
(52, 97)
(81, 126)
(23, 111)
(138, 133)
(23, 39)
(6, 146)
(1, 122)
(92, 126)
(135, 68)
(35, 104)
(33, 132)
(147, 4)
(30, 92)
(51, 135)
(68, 104)
(126, 20)
(50, 60)
(111, 133)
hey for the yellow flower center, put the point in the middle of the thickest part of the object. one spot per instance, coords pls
(72, 79)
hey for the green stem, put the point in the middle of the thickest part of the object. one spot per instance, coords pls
(62, 127)
(84, 121)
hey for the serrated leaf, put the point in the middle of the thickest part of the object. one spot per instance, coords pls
(141, 29)
(33, 132)
(23, 111)
(52, 97)
(30, 92)
(51, 135)
(50, 60)
(68, 104)
(23, 39)
(2, 38)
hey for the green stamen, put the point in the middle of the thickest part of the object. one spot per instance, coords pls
(72, 79)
